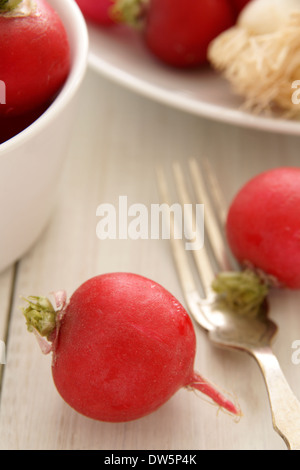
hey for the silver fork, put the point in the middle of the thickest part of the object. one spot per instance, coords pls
(253, 335)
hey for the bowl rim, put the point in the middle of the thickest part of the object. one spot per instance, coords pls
(79, 57)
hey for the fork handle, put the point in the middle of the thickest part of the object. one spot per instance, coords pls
(285, 407)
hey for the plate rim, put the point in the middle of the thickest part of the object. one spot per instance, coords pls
(199, 108)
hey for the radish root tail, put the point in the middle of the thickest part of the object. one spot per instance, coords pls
(199, 383)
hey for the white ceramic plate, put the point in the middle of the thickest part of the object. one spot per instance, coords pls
(121, 56)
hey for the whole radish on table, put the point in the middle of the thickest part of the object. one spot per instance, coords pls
(121, 347)
(263, 232)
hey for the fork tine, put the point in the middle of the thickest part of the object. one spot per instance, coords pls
(184, 272)
(216, 193)
(211, 198)
(186, 278)
(201, 257)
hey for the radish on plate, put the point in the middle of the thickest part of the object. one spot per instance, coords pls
(178, 32)
(35, 55)
(97, 11)
(122, 346)
(239, 5)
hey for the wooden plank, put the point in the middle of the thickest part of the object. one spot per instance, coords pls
(6, 288)
(117, 140)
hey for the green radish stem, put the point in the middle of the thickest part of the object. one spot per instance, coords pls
(129, 12)
(40, 315)
(8, 5)
(241, 292)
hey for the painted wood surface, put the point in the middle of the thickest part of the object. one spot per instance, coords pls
(117, 140)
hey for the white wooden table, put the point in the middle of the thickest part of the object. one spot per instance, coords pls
(117, 139)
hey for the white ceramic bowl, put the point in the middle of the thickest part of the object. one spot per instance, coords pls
(31, 162)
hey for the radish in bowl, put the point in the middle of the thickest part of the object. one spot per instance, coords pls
(40, 149)
(35, 55)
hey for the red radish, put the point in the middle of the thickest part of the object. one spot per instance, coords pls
(122, 346)
(178, 32)
(263, 225)
(13, 125)
(35, 55)
(97, 11)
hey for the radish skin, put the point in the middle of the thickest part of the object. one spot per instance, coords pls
(263, 223)
(121, 347)
(35, 55)
(98, 12)
(262, 230)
